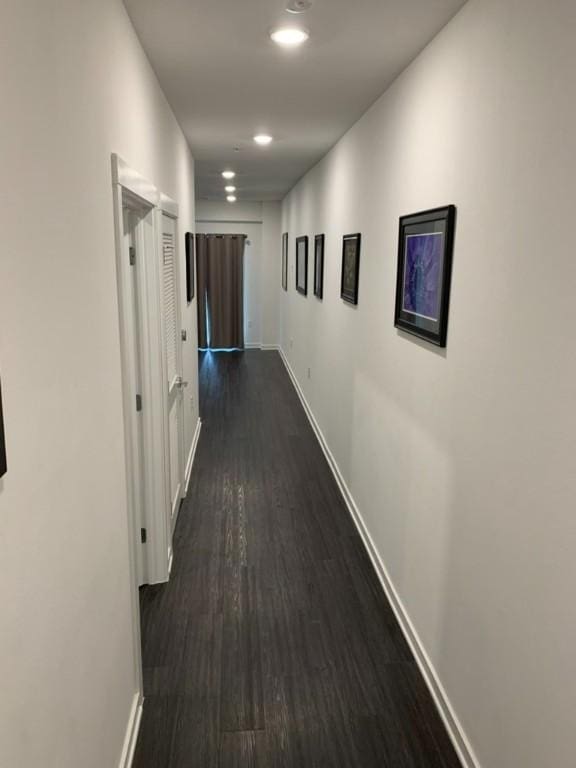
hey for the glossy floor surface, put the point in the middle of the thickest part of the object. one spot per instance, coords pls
(273, 645)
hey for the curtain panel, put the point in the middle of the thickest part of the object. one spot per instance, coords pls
(220, 276)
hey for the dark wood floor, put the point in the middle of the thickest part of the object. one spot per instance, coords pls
(273, 645)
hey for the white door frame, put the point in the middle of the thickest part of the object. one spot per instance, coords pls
(134, 212)
(131, 189)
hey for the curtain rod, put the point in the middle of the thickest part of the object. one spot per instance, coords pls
(215, 234)
(229, 221)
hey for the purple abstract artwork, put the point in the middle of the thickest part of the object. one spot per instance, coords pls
(422, 272)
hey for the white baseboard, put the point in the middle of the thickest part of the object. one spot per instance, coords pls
(264, 347)
(447, 713)
(184, 493)
(191, 455)
(170, 560)
(132, 730)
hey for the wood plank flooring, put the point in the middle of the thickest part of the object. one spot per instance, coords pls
(273, 645)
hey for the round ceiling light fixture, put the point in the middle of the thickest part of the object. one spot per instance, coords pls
(263, 139)
(231, 198)
(228, 174)
(230, 188)
(289, 37)
(298, 6)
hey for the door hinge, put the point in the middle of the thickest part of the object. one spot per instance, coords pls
(138, 402)
(143, 535)
(132, 252)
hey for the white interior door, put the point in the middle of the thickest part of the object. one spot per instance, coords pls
(132, 297)
(173, 356)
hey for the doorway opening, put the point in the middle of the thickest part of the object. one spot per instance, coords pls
(149, 287)
(148, 280)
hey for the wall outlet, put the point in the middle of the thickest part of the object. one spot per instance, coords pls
(291, 343)
(309, 373)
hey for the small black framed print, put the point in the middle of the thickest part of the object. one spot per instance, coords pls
(350, 268)
(425, 246)
(318, 266)
(285, 261)
(189, 239)
(302, 265)
(3, 466)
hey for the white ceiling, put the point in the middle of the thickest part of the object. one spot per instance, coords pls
(226, 80)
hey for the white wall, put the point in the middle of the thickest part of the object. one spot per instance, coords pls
(76, 87)
(272, 275)
(462, 461)
(262, 267)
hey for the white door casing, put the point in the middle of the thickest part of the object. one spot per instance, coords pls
(125, 192)
(138, 219)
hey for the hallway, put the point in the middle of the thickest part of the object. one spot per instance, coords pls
(273, 644)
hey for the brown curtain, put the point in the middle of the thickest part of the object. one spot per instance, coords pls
(220, 273)
(202, 289)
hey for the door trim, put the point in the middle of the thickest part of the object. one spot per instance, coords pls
(131, 181)
(125, 328)
(168, 206)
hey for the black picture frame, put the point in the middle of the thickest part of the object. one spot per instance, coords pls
(302, 265)
(189, 241)
(425, 252)
(350, 267)
(319, 266)
(3, 464)
(285, 261)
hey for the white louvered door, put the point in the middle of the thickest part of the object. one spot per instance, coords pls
(173, 358)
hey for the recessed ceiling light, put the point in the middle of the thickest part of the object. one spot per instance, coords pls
(231, 198)
(230, 188)
(263, 139)
(228, 174)
(298, 6)
(289, 37)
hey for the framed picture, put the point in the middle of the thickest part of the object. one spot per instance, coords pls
(189, 266)
(285, 261)
(2, 443)
(425, 248)
(302, 265)
(350, 268)
(318, 265)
